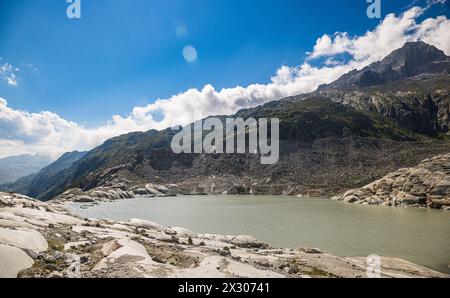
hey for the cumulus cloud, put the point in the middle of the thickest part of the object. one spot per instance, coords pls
(392, 33)
(47, 133)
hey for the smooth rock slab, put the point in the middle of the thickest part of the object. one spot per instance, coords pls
(183, 232)
(26, 239)
(145, 224)
(12, 261)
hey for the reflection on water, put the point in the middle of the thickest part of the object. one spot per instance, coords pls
(420, 236)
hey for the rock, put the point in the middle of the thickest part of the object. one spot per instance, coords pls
(426, 185)
(84, 259)
(131, 248)
(351, 199)
(247, 242)
(407, 199)
(141, 192)
(437, 203)
(224, 253)
(158, 260)
(23, 238)
(183, 232)
(56, 275)
(73, 245)
(110, 247)
(145, 224)
(59, 255)
(123, 250)
(50, 259)
(170, 231)
(12, 261)
(51, 267)
(264, 263)
(442, 188)
(311, 250)
(83, 199)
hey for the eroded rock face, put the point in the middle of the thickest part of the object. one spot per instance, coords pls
(55, 243)
(427, 185)
(410, 86)
(100, 194)
(118, 191)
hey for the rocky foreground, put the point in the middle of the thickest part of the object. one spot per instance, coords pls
(40, 240)
(426, 185)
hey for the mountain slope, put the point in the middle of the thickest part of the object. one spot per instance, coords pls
(15, 167)
(410, 86)
(321, 143)
(342, 136)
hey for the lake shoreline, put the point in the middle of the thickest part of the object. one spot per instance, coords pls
(45, 240)
(340, 228)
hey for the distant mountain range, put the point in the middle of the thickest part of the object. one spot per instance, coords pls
(36, 183)
(15, 167)
(391, 114)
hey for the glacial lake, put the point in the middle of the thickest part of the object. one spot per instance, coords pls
(417, 235)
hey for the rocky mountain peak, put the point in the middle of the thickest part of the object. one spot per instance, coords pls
(413, 59)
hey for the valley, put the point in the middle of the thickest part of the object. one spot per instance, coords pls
(376, 141)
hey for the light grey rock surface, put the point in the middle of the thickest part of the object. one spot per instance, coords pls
(426, 185)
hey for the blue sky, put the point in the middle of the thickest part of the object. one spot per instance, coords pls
(123, 54)
(100, 76)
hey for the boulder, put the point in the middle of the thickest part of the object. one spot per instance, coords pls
(247, 242)
(351, 199)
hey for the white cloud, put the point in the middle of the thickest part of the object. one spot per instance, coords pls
(7, 72)
(47, 133)
(433, 2)
(391, 34)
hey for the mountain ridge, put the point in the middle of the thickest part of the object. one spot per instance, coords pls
(331, 140)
